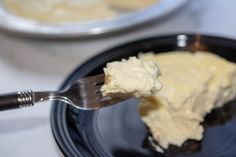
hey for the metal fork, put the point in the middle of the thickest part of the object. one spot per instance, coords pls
(82, 94)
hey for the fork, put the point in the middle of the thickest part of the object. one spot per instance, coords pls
(82, 94)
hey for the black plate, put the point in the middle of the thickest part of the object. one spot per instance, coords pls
(117, 131)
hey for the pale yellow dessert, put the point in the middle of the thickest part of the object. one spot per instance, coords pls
(67, 11)
(58, 11)
(132, 77)
(192, 85)
(131, 4)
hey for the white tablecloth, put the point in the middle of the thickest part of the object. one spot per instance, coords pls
(44, 64)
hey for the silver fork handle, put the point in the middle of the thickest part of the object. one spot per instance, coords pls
(27, 98)
(16, 100)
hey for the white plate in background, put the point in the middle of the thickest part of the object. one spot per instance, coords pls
(23, 26)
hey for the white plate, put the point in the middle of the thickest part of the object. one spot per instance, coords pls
(27, 27)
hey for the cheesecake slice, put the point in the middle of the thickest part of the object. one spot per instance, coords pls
(192, 85)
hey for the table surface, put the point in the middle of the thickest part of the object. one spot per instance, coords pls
(43, 65)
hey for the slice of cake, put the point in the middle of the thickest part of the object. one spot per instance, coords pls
(192, 85)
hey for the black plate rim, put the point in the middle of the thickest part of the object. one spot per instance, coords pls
(58, 110)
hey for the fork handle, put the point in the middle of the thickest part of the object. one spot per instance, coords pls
(16, 100)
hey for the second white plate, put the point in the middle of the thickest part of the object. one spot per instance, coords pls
(27, 27)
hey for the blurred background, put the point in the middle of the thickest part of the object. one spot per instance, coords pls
(41, 62)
